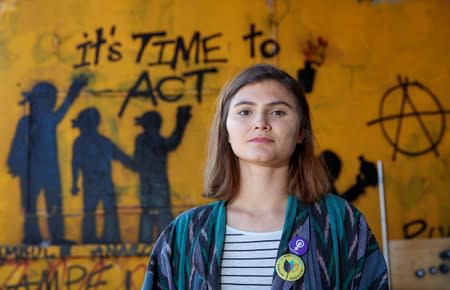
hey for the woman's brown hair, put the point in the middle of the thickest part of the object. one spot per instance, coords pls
(308, 178)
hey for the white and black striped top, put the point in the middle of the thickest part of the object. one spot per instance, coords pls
(248, 259)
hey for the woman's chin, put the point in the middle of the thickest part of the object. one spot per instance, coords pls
(264, 161)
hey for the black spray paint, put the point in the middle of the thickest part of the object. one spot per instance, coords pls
(151, 153)
(92, 157)
(366, 177)
(34, 157)
(407, 99)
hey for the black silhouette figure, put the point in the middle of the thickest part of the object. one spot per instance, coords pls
(34, 158)
(151, 150)
(92, 156)
(367, 175)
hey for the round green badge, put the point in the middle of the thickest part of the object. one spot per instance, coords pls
(290, 267)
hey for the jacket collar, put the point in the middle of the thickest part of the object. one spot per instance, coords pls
(295, 217)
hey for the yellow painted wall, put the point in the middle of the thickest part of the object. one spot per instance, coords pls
(369, 44)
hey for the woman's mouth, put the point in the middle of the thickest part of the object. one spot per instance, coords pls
(261, 140)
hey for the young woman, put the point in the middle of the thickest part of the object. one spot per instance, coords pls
(273, 226)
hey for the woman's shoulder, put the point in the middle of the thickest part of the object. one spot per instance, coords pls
(334, 209)
(188, 222)
(336, 202)
(197, 215)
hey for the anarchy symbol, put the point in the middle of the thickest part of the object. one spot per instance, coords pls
(432, 140)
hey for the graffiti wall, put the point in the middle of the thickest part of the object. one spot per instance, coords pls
(106, 107)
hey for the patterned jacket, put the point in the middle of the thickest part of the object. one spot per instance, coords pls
(343, 253)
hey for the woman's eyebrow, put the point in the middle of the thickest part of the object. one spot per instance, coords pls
(274, 103)
(240, 103)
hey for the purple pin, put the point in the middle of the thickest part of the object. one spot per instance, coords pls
(298, 246)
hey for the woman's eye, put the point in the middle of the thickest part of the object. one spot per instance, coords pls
(244, 112)
(278, 113)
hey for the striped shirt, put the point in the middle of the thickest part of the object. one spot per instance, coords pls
(248, 259)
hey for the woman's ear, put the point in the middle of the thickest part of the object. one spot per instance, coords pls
(301, 136)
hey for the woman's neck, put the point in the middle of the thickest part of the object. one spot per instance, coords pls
(260, 204)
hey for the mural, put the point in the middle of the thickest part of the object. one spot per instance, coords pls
(150, 154)
(417, 228)
(366, 177)
(92, 156)
(314, 54)
(106, 267)
(427, 130)
(105, 116)
(33, 157)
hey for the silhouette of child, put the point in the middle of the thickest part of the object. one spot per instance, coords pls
(92, 156)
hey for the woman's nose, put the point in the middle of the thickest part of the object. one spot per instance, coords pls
(261, 124)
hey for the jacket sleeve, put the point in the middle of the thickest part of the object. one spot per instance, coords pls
(373, 272)
(365, 266)
(160, 270)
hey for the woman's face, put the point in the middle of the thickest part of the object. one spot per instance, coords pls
(263, 124)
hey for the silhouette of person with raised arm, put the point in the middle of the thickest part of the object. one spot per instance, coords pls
(34, 158)
(151, 150)
(92, 156)
(367, 175)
